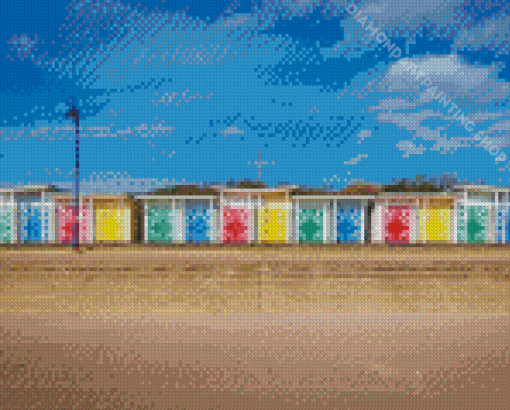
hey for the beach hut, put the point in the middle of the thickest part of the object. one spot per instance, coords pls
(163, 219)
(351, 216)
(180, 214)
(237, 222)
(199, 224)
(395, 218)
(326, 217)
(414, 217)
(352, 213)
(251, 212)
(7, 217)
(35, 214)
(312, 220)
(65, 219)
(114, 218)
(476, 214)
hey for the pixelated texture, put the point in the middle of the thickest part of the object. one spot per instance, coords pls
(272, 225)
(112, 223)
(390, 314)
(66, 220)
(163, 225)
(397, 224)
(237, 223)
(198, 222)
(311, 225)
(349, 224)
(473, 224)
(6, 223)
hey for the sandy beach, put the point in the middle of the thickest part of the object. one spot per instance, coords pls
(338, 328)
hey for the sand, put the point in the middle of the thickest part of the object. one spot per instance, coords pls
(255, 328)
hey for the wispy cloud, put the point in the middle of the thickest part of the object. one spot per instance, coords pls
(355, 160)
(231, 130)
(363, 135)
(410, 149)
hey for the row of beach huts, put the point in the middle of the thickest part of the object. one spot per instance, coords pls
(258, 214)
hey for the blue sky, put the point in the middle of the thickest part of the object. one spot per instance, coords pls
(191, 91)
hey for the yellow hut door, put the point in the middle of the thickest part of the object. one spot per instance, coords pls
(272, 219)
(111, 223)
(272, 225)
(435, 221)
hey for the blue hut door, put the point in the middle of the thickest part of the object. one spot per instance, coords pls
(349, 223)
(30, 222)
(503, 225)
(198, 221)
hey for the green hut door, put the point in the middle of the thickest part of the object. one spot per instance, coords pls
(311, 222)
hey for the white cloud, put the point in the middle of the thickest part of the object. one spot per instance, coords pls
(468, 86)
(396, 14)
(363, 135)
(231, 130)
(451, 75)
(409, 148)
(355, 160)
(494, 34)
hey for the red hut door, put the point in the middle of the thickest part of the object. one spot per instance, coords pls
(398, 224)
(235, 225)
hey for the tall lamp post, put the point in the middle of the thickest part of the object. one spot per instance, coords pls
(74, 115)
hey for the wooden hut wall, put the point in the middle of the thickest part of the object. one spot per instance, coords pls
(476, 217)
(502, 218)
(400, 220)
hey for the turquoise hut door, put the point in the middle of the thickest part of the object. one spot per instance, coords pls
(6, 223)
(311, 224)
(473, 224)
(162, 225)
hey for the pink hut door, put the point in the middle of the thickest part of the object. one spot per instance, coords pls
(66, 221)
(235, 225)
(397, 224)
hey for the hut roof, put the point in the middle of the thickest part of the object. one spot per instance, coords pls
(310, 191)
(361, 189)
(31, 188)
(187, 190)
(247, 184)
(413, 187)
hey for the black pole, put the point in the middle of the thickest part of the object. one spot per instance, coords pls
(74, 114)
